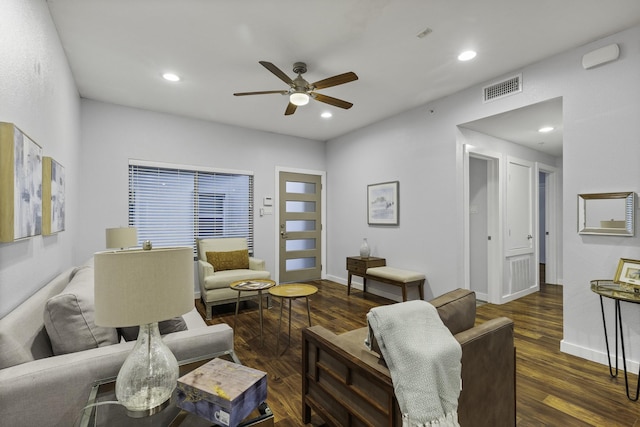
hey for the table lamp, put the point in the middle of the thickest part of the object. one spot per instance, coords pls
(121, 237)
(142, 287)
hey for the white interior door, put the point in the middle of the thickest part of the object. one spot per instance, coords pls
(520, 242)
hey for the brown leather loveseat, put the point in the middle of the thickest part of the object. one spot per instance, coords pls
(346, 384)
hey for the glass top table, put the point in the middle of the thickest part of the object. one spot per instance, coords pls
(618, 292)
(103, 409)
(258, 285)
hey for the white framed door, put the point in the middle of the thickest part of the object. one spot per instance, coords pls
(483, 223)
(548, 216)
(520, 267)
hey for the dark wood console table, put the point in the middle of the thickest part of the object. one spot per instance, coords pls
(357, 266)
(609, 289)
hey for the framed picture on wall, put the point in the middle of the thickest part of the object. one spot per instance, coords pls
(383, 203)
(20, 185)
(53, 204)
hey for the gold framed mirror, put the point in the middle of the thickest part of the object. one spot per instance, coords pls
(610, 214)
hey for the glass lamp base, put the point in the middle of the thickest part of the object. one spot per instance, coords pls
(148, 376)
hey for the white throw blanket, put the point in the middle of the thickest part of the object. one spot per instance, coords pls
(423, 359)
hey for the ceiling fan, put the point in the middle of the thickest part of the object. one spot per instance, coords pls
(301, 91)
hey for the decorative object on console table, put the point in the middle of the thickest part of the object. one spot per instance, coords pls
(223, 392)
(20, 185)
(365, 251)
(628, 275)
(357, 266)
(383, 203)
(143, 287)
(53, 204)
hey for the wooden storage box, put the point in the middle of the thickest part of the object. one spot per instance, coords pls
(222, 392)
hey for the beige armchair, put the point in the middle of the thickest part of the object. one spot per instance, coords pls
(223, 261)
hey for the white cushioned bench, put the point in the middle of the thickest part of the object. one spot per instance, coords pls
(397, 277)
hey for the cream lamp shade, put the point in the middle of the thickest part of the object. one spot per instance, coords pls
(121, 237)
(136, 287)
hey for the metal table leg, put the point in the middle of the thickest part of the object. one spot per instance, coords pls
(279, 327)
(260, 308)
(618, 332)
(237, 305)
(289, 341)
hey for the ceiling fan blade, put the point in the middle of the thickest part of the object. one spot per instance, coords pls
(330, 100)
(277, 71)
(265, 92)
(291, 108)
(335, 80)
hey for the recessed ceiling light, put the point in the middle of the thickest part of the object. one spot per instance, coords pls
(171, 77)
(545, 129)
(467, 55)
(326, 115)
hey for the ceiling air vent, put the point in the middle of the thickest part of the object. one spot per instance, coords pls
(503, 88)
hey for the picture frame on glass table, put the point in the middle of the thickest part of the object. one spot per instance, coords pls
(628, 274)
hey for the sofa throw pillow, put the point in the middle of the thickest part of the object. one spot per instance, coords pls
(230, 260)
(176, 324)
(69, 317)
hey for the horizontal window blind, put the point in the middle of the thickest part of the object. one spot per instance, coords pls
(175, 206)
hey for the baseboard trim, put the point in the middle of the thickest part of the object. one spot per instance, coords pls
(596, 356)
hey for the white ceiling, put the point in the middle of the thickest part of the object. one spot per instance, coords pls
(118, 49)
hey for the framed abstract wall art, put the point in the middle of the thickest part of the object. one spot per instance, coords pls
(20, 185)
(53, 205)
(383, 203)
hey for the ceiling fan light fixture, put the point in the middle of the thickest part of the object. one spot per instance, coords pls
(299, 98)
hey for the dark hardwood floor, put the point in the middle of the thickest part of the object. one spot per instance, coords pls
(552, 388)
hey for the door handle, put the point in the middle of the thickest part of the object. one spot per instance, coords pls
(283, 234)
(529, 236)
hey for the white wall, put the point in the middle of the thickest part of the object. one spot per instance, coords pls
(420, 149)
(602, 149)
(38, 94)
(111, 135)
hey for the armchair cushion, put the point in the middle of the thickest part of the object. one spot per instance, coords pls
(457, 310)
(229, 260)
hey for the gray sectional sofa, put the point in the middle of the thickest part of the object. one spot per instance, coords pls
(46, 375)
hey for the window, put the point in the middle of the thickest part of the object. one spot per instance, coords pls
(175, 205)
